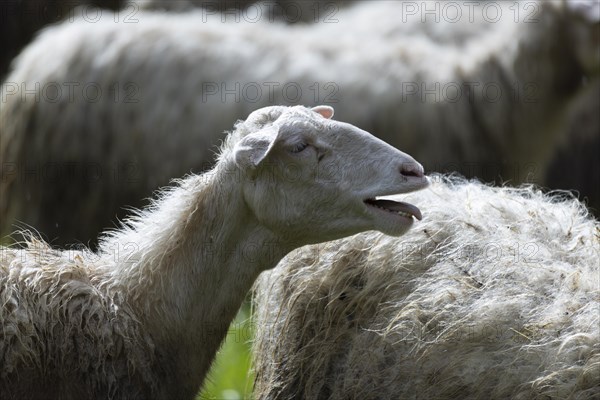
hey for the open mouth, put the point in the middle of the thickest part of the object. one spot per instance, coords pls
(395, 207)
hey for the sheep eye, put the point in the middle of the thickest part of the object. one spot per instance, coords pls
(299, 147)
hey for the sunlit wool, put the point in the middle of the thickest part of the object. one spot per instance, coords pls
(494, 295)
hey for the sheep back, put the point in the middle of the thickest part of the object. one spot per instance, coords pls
(495, 294)
(62, 328)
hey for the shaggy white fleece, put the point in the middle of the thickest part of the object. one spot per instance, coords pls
(495, 294)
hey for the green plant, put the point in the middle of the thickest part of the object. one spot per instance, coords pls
(231, 377)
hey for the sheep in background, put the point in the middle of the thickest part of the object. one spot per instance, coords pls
(495, 294)
(107, 122)
(20, 20)
(144, 316)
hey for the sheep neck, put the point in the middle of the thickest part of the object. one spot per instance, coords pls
(198, 252)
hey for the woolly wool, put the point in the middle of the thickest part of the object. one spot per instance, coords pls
(25, 18)
(494, 295)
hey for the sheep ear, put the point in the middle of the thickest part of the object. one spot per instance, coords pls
(325, 111)
(254, 147)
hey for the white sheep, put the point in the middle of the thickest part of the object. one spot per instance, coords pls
(144, 316)
(97, 114)
(20, 20)
(495, 294)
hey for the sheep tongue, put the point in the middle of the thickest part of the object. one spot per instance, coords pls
(400, 206)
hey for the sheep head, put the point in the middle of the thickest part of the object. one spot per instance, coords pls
(310, 179)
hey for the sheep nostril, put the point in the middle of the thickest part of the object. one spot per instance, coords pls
(411, 170)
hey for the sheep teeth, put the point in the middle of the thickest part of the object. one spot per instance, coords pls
(402, 213)
(395, 207)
